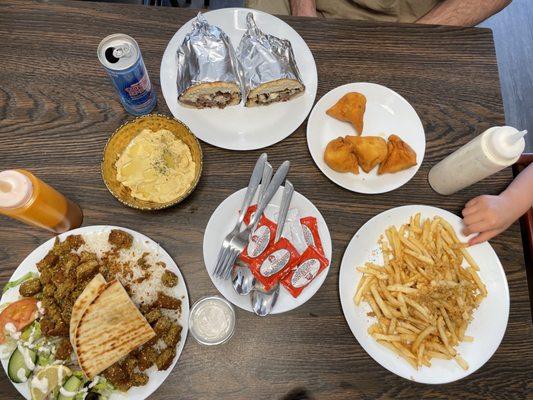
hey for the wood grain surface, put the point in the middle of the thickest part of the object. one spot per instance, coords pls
(57, 109)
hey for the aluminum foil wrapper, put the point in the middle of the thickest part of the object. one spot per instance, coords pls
(206, 55)
(264, 57)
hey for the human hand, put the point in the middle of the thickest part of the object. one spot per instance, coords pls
(303, 8)
(487, 216)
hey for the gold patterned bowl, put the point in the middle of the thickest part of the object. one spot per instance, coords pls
(120, 139)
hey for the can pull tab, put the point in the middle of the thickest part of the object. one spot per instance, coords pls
(122, 51)
(114, 54)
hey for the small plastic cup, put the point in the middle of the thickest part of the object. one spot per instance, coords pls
(212, 310)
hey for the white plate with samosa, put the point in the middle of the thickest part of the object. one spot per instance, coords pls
(366, 138)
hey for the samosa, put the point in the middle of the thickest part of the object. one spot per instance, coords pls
(400, 156)
(370, 150)
(350, 108)
(340, 156)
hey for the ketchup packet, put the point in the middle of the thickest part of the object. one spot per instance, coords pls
(249, 213)
(312, 238)
(274, 263)
(307, 267)
(293, 230)
(261, 238)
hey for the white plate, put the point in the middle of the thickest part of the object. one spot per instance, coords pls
(386, 113)
(156, 377)
(222, 222)
(487, 327)
(238, 127)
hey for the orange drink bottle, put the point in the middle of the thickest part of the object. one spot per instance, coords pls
(25, 197)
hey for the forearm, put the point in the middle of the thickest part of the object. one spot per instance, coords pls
(462, 13)
(520, 192)
(303, 8)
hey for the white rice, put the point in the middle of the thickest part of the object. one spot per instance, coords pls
(144, 292)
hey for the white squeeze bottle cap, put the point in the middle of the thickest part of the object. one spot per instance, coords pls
(15, 189)
(506, 143)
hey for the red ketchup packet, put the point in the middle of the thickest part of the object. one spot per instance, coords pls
(261, 238)
(274, 263)
(310, 264)
(312, 238)
(249, 213)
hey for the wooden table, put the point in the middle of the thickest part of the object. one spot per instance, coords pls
(57, 109)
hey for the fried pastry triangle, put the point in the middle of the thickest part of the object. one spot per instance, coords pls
(350, 108)
(370, 150)
(400, 156)
(340, 156)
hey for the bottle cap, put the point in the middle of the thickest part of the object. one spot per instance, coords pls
(506, 142)
(15, 189)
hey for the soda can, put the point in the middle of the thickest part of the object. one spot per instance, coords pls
(121, 57)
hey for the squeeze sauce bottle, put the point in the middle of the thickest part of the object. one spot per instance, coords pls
(486, 154)
(25, 197)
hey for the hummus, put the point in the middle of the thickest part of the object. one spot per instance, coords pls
(156, 166)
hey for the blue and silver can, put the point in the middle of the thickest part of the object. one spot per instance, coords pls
(121, 57)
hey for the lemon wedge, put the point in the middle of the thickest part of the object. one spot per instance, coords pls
(48, 379)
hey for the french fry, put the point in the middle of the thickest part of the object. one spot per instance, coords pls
(449, 229)
(422, 310)
(382, 306)
(462, 363)
(437, 354)
(401, 288)
(388, 338)
(375, 309)
(420, 257)
(390, 346)
(392, 326)
(370, 271)
(363, 289)
(422, 296)
(404, 350)
(449, 324)
(360, 283)
(410, 327)
(443, 337)
(426, 332)
(479, 284)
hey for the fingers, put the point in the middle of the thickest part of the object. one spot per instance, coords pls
(471, 219)
(480, 226)
(473, 202)
(470, 210)
(484, 236)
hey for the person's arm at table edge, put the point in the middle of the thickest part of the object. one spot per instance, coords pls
(463, 13)
(303, 8)
(490, 215)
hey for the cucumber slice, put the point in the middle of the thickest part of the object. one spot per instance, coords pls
(73, 384)
(17, 364)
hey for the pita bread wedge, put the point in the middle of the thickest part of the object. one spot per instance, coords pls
(110, 328)
(91, 292)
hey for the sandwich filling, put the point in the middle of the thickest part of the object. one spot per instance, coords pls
(216, 99)
(272, 97)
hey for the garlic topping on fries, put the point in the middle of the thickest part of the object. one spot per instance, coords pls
(422, 296)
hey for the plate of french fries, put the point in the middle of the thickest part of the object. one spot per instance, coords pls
(421, 302)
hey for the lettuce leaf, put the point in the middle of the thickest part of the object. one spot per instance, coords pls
(24, 278)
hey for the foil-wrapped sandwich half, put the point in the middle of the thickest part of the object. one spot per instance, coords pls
(270, 73)
(208, 70)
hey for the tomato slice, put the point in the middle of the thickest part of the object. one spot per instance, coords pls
(21, 313)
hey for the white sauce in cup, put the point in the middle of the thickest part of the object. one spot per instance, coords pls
(212, 320)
